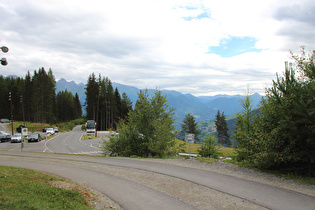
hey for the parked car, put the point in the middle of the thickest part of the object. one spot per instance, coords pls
(56, 129)
(2, 137)
(44, 130)
(17, 138)
(34, 137)
(5, 136)
(50, 131)
(19, 129)
(4, 120)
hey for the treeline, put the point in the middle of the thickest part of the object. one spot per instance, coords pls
(104, 104)
(34, 99)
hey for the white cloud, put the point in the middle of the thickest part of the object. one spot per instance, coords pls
(148, 43)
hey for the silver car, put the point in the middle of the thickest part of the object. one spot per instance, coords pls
(16, 138)
(50, 131)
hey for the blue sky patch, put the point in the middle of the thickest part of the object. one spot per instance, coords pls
(200, 16)
(233, 46)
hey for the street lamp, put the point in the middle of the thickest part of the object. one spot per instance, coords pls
(4, 49)
(4, 61)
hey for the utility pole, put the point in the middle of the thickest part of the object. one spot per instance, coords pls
(23, 109)
(98, 104)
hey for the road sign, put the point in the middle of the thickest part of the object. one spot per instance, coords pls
(190, 137)
(24, 131)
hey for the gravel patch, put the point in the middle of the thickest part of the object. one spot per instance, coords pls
(244, 173)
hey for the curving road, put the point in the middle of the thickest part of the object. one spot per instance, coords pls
(93, 171)
(69, 143)
(131, 195)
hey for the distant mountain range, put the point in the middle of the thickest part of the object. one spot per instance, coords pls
(203, 108)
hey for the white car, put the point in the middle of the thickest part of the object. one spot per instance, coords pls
(5, 136)
(50, 131)
(17, 138)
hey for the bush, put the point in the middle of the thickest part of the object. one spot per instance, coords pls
(209, 148)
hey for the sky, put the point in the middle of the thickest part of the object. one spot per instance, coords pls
(192, 46)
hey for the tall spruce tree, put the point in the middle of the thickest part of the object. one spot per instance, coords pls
(44, 95)
(92, 93)
(189, 125)
(222, 129)
(77, 107)
(126, 106)
(27, 97)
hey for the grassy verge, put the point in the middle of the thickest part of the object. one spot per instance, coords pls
(28, 189)
(38, 127)
(87, 137)
(182, 146)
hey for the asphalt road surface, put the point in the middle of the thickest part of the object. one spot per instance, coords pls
(69, 143)
(131, 195)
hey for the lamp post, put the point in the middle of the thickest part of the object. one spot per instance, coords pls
(10, 99)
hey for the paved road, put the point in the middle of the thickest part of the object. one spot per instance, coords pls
(69, 143)
(131, 196)
(128, 194)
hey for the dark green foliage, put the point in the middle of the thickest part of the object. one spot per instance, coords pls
(209, 148)
(126, 105)
(77, 107)
(222, 129)
(36, 93)
(189, 125)
(104, 104)
(246, 131)
(92, 92)
(148, 130)
(68, 106)
(282, 137)
(288, 116)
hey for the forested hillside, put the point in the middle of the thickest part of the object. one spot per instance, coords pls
(203, 108)
(32, 98)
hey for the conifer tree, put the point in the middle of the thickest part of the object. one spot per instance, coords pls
(92, 93)
(77, 107)
(148, 130)
(222, 129)
(126, 105)
(288, 119)
(189, 125)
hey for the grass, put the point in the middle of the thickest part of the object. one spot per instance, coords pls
(182, 146)
(87, 137)
(32, 127)
(28, 189)
(38, 127)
